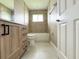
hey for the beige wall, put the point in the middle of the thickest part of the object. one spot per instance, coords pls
(21, 12)
(38, 27)
(26, 15)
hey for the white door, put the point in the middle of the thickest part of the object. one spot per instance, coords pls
(62, 6)
(63, 38)
(77, 39)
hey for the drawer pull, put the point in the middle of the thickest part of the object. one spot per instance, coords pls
(4, 29)
(7, 28)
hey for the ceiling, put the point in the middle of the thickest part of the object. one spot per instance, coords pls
(37, 4)
(8, 3)
(32, 4)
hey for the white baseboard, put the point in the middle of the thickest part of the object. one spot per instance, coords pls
(54, 46)
(60, 54)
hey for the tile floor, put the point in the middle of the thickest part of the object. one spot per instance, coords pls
(41, 51)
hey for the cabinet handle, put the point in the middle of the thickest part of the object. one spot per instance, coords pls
(4, 30)
(7, 30)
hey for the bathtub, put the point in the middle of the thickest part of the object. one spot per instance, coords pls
(38, 37)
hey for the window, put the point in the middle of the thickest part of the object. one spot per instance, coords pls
(37, 18)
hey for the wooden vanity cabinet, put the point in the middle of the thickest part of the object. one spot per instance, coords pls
(13, 42)
(24, 41)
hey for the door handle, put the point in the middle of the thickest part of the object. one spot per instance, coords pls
(7, 30)
(4, 30)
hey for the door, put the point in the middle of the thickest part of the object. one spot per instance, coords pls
(2, 43)
(5, 39)
(15, 37)
(67, 41)
(63, 38)
(15, 42)
(8, 38)
(77, 38)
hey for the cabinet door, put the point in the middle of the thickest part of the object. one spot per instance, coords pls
(15, 37)
(14, 42)
(7, 41)
(63, 38)
(2, 50)
(4, 43)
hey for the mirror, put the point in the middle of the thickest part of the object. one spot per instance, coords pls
(5, 13)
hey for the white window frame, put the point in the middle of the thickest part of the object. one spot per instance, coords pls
(39, 18)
